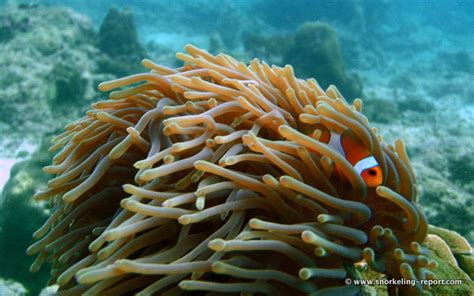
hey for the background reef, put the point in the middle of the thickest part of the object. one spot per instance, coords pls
(411, 61)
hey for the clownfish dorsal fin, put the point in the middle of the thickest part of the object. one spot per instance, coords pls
(354, 148)
(342, 141)
(348, 134)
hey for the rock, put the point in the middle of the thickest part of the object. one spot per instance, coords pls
(49, 291)
(11, 288)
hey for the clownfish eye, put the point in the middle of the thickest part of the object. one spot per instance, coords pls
(372, 172)
(372, 176)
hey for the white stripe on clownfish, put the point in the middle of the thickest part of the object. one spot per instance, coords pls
(335, 141)
(365, 163)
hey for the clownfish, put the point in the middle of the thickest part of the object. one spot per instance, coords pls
(356, 154)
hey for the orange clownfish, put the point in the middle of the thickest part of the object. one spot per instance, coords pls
(357, 154)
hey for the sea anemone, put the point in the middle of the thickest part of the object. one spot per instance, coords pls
(214, 177)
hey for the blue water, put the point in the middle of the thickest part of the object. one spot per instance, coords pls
(390, 28)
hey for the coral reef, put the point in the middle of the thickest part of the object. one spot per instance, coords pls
(270, 48)
(423, 95)
(215, 176)
(17, 209)
(453, 263)
(316, 53)
(455, 256)
(284, 13)
(199, 17)
(119, 41)
(118, 35)
(380, 110)
(40, 71)
(49, 76)
(189, 18)
(461, 170)
(443, 165)
(69, 86)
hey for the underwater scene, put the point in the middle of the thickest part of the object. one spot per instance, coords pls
(248, 147)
